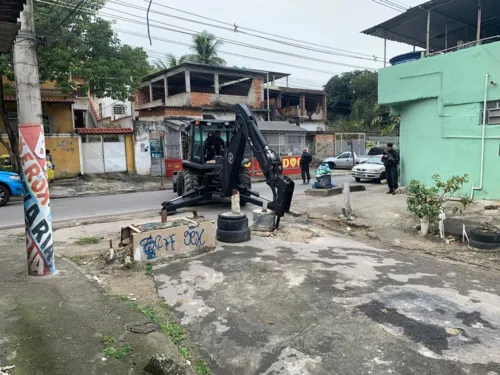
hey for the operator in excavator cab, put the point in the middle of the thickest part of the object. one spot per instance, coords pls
(214, 145)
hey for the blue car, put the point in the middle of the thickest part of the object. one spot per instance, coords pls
(10, 186)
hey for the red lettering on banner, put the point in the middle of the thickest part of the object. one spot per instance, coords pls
(39, 185)
(27, 157)
(32, 171)
(36, 263)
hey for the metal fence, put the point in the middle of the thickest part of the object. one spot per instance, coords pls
(286, 144)
(343, 143)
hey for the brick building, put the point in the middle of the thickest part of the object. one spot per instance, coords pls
(198, 90)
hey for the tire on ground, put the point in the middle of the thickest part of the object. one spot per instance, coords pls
(482, 236)
(331, 165)
(234, 236)
(180, 183)
(232, 225)
(357, 179)
(190, 181)
(231, 216)
(484, 245)
(5, 193)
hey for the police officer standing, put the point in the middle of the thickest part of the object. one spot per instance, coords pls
(305, 161)
(391, 161)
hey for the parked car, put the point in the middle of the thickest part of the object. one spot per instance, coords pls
(10, 186)
(371, 169)
(344, 160)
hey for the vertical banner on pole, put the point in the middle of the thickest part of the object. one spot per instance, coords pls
(39, 241)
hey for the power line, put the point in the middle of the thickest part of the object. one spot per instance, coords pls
(229, 41)
(70, 14)
(236, 29)
(231, 53)
(194, 33)
(391, 5)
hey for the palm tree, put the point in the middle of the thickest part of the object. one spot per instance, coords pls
(171, 61)
(205, 47)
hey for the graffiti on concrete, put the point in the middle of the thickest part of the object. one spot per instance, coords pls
(169, 241)
(66, 146)
(150, 246)
(39, 243)
(193, 236)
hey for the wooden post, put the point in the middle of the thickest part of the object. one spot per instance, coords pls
(163, 215)
(347, 200)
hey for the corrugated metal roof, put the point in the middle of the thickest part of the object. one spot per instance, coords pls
(220, 69)
(103, 131)
(455, 18)
(54, 99)
(279, 127)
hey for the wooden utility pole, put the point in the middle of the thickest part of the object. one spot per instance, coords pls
(39, 238)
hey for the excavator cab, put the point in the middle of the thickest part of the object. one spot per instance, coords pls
(207, 142)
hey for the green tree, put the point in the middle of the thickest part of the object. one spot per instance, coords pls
(352, 97)
(205, 47)
(83, 46)
(171, 62)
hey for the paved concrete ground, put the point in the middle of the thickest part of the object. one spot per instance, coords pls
(335, 306)
(54, 325)
(64, 210)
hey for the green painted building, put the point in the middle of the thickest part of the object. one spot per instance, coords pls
(440, 96)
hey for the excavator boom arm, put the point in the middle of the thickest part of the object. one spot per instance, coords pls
(247, 131)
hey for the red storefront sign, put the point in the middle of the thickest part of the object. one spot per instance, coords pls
(291, 165)
(171, 166)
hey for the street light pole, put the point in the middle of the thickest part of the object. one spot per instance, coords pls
(39, 238)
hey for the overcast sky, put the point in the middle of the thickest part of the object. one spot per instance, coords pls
(333, 23)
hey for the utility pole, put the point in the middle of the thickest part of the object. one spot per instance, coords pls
(39, 238)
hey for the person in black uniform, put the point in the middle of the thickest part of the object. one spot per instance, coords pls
(214, 145)
(305, 161)
(391, 161)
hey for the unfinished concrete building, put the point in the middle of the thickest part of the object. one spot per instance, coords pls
(198, 90)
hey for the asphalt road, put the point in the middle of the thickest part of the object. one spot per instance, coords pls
(81, 208)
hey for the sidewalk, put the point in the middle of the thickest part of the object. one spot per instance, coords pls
(56, 325)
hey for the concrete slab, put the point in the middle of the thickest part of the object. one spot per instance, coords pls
(335, 306)
(54, 325)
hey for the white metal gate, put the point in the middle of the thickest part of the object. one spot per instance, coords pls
(102, 154)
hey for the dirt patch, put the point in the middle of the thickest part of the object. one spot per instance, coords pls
(291, 233)
(383, 221)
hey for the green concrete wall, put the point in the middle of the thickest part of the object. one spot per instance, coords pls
(440, 101)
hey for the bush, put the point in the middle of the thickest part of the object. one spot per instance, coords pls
(427, 202)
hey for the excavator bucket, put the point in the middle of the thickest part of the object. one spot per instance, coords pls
(284, 193)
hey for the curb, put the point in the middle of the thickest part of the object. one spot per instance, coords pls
(109, 193)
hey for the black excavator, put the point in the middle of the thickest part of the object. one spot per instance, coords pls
(216, 165)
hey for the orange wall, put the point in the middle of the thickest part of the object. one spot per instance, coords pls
(60, 113)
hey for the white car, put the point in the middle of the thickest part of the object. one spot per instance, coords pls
(371, 169)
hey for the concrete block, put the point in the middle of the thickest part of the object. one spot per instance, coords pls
(158, 240)
(333, 191)
(357, 187)
(324, 192)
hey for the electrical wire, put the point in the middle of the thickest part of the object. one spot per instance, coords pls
(70, 14)
(231, 53)
(194, 33)
(368, 58)
(237, 28)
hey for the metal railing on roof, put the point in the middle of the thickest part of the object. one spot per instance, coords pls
(474, 43)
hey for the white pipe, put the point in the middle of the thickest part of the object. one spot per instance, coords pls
(481, 174)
